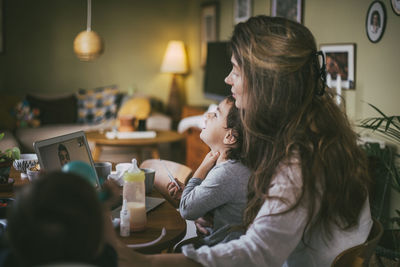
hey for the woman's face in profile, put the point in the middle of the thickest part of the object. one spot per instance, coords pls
(235, 80)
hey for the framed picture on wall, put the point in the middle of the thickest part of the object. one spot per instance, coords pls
(340, 60)
(396, 6)
(242, 10)
(290, 9)
(209, 28)
(376, 21)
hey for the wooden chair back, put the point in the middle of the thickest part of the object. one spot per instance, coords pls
(161, 179)
(360, 255)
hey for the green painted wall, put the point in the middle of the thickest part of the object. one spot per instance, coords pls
(39, 57)
(39, 44)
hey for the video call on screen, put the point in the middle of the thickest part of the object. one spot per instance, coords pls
(54, 156)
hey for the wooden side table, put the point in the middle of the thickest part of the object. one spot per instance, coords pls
(138, 144)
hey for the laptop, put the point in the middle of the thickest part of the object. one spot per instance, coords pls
(54, 152)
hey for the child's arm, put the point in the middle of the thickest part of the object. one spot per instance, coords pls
(208, 162)
(202, 196)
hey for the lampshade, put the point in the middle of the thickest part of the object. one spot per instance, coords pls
(88, 45)
(175, 58)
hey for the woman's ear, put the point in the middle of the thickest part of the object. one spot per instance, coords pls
(230, 138)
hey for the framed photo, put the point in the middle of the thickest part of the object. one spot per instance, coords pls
(1, 27)
(242, 10)
(340, 60)
(376, 21)
(209, 28)
(290, 9)
(396, 6)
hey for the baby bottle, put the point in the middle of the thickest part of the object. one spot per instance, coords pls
(134, 193)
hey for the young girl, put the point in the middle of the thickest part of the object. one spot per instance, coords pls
(220, 191)
(308, 193)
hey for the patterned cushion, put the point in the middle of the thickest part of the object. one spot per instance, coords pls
(97, 105)
(25, 115)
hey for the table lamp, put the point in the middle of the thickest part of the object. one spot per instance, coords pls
(175, 62)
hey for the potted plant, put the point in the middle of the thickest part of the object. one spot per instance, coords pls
(387, 171)
(6, 159)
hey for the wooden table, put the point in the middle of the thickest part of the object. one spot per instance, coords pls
(100, 140)
(164, 215)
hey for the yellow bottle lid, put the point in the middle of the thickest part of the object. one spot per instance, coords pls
(134, 177)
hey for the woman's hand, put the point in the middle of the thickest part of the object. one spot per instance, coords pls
(174, 191)
(208, 162)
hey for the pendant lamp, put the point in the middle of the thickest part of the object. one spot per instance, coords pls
(88, 45)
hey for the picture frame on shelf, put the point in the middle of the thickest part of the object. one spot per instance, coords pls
(208, 28)
(290, 9)
(242, 10)
(375, 21)
(395, 6)
(340, 59)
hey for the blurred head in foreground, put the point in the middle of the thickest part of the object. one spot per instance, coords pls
(58, 218)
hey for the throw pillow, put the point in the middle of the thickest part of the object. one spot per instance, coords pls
(55, 111)
(97, 105)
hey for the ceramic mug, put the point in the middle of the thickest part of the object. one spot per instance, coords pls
(149, 179)
(103, 169)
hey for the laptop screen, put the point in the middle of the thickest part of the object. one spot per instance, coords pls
(56, 155)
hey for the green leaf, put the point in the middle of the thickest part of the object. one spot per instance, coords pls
(13, 153)
(1, 135)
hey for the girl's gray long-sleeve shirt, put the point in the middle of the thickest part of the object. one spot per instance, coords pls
(223, 191)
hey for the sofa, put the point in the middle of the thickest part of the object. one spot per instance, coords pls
(26, 119)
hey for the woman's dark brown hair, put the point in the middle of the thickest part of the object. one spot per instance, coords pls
(286, 115)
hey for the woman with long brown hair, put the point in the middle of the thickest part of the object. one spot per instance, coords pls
(308, 194)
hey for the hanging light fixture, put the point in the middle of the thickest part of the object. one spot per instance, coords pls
(88, 45)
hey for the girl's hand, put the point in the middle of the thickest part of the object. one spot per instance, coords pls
(203, 223)
(208, 162)
(174, 191)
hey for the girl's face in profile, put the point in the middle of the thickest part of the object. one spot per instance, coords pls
(214, 130)
(234, 79)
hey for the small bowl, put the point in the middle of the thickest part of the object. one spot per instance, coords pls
(25, 162)
(32, 175)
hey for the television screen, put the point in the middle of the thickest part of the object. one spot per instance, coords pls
(218, 66)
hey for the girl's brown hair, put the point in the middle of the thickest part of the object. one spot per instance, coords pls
(234, 123)
(286, 114)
